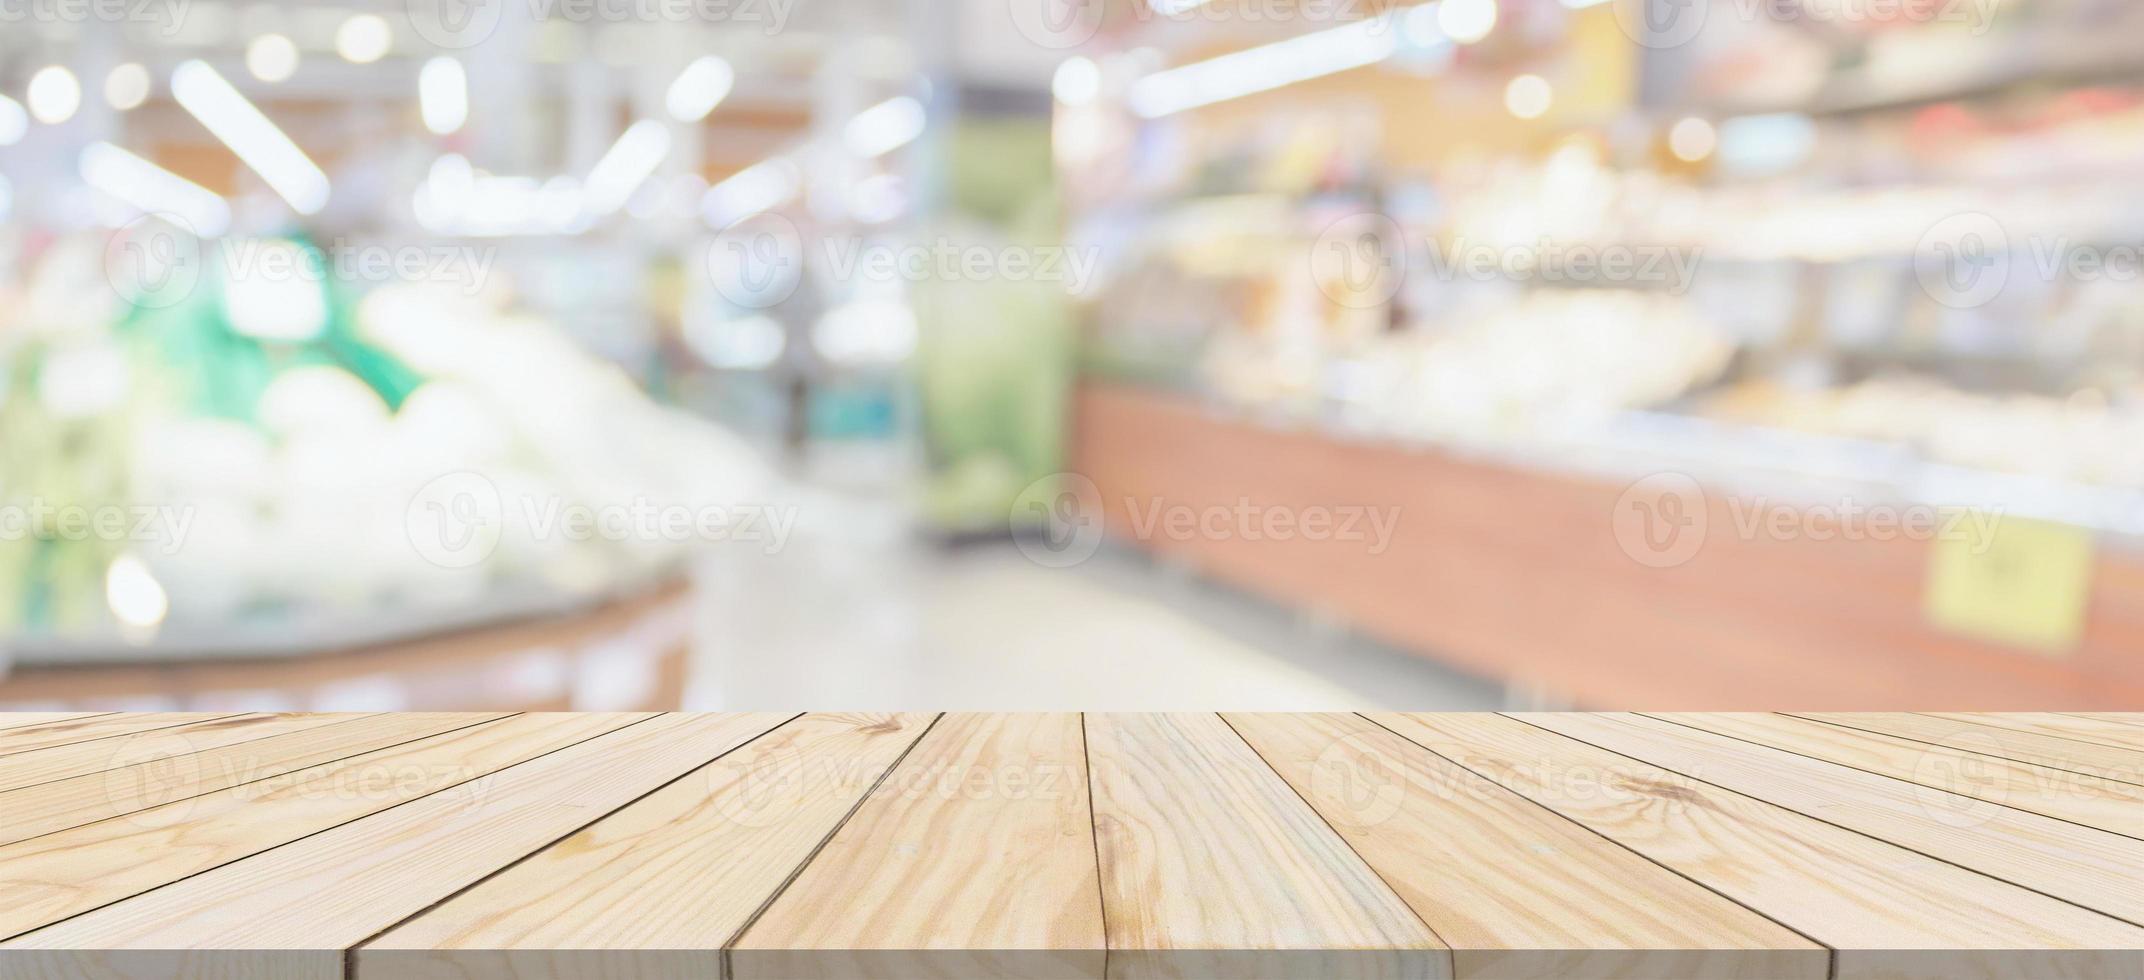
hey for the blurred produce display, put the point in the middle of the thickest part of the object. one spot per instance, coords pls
(296, 439)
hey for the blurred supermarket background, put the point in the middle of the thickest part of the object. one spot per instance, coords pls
(1091, 354)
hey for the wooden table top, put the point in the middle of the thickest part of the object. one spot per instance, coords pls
(963, 845)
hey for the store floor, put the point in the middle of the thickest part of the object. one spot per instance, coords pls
(858, 611)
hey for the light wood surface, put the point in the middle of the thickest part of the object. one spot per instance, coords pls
(1882, 908)
(1462, 851)
(635, 846)
(25, 769)
(975, 857)
(661, 886)
(18, 740)
(1212, 866)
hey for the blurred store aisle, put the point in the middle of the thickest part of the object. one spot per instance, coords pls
(856, 611)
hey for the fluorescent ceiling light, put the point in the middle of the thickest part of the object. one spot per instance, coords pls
(1077, 81)
(258, 143)
(885, 127)
(443, 95)
(154, 190)
(700, 88)
(272, 58)
(628, 163)
(127, 87)
(1170, 8)
(757, 189)
(364, 39)
(1582, 4)
(1267, 67)
(54, 95)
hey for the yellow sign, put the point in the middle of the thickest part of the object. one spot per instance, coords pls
(2012, 581)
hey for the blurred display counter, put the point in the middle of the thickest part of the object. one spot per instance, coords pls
(1548, 577)
(623, 653)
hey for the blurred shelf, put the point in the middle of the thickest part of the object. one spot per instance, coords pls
(1511, 564)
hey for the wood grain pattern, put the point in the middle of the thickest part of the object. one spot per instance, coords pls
(16, 741)
(159, 779)
(974, 858)
(9, 721)
(330, 891)
(1885, 910)
(658, 888)
(2088, 758)
(2091, 800)
(651, 847)
(26, 769)
(2101, 731)
(1212, 866)
(1466, 854)
(53, 877)
(2089, 867)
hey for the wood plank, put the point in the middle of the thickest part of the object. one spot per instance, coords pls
(974, 859)
(2117, 717)
(25, 769)
(2087, 867)
(1212, 866)
(1469, 856)
(13, 720)
(54, 806)
(2097, 731)
(658, 888)
(325, 893)
(54, 877)
(2087, 758)
(1886, 911)
(16, 741)
(2076, 797)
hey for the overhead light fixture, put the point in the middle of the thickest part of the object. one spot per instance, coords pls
(885, 127)
(14, 121)
(127, 87)
(626, 165)
(364, 39)
(1529, 96)
(153, 190)
(1266, 67)
(1078, 81)
(54, 95)
(700, 88)
(272, 58)
(1170, 8)
(755, 190)
(1692, 139)
(1582, 4)
(257, 142)
(443, 95)
(1466, 21)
